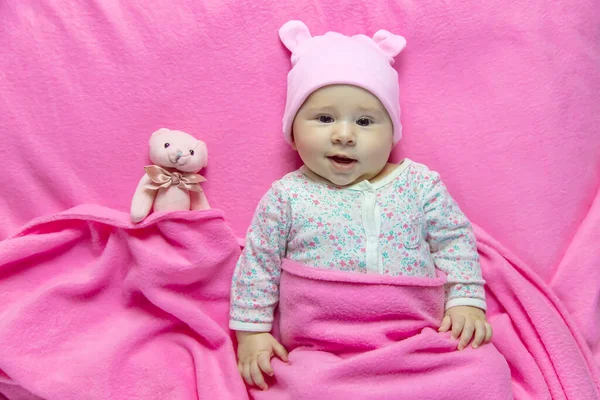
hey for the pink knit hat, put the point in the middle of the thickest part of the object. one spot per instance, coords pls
(337, 59)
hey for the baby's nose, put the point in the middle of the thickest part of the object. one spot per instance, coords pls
(343, 133)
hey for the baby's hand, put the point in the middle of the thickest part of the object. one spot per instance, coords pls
(255, 350)
(467, 320)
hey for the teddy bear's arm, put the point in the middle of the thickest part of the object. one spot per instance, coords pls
(198, 201)
(142, 201)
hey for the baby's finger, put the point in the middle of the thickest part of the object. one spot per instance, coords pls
(480, 332)
(458, 323)
(467, 334)
(488, 332)
(246, 374)
(280, 351)
(264, 363)
(257, 376)
(446, 323)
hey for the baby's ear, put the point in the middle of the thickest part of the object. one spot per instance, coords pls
(389, 43)
(293, 33)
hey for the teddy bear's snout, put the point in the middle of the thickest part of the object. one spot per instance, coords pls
(176, 156)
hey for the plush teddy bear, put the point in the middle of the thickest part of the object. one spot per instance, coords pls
(171, 184)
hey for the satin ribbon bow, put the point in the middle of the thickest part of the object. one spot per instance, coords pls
(161, 178)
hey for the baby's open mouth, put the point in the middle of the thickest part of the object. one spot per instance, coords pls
(342, 159)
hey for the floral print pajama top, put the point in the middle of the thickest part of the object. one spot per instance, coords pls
(404, 224)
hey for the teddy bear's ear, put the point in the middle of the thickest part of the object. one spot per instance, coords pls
(161, 130)
(389, 43)
(293, 33)
(157, 133)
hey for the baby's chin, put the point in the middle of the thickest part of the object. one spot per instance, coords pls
(341, 181)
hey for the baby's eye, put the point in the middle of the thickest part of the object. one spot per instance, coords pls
(191, 152)
(167, 145)
(364, 121)
(326, 119)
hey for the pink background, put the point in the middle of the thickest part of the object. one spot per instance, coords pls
(500, 97)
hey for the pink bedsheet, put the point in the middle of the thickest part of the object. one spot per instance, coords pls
(499, 96)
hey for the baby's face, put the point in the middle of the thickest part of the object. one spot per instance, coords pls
(344, 134)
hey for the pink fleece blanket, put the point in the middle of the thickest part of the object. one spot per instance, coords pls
(354, 336)
(94, 308)
(499, 96)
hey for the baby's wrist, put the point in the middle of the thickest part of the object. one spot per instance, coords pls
(246, 334)
(466, 301)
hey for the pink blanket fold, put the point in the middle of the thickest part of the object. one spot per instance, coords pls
(374, 337)
(92, 307)
(547, 343)
(576, 279)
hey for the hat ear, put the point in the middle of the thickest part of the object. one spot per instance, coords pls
(389, 43)
(293, 33)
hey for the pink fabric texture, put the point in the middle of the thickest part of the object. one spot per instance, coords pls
(576, 280)
(334, 58)
(500, 97)
(548, 348)
(356, 336)
(93, 307)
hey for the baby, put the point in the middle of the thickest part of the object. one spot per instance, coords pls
(347, 208)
